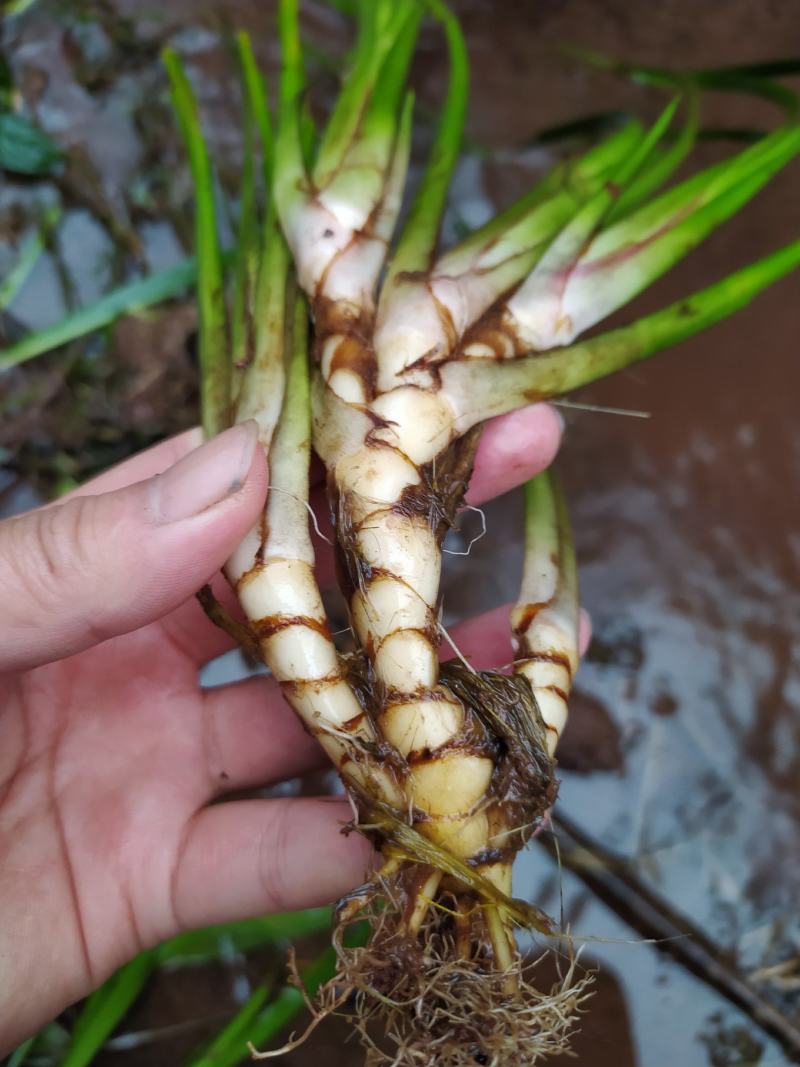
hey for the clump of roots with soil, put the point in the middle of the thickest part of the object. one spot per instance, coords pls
(355, 335)
(436, 992)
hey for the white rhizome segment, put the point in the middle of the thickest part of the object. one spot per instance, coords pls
(395, 613)
(280, 596)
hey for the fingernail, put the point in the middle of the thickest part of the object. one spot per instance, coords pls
(206, 476)
(561, 420)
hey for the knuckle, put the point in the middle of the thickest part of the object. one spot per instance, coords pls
(52, 551)
(274, 856)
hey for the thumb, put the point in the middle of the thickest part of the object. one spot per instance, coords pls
(74, 574)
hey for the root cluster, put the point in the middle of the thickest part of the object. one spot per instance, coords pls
(431, 999)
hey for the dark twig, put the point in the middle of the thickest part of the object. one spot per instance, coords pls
(614, 881)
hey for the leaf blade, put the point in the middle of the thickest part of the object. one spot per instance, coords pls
(215, 370)
(126, 299)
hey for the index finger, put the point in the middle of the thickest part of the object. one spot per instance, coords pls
(513, 449)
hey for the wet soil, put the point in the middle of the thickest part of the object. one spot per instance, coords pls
(683, 752)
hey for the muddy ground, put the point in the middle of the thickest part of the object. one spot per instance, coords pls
(683, 753)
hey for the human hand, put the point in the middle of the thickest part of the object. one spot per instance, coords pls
(110, 752)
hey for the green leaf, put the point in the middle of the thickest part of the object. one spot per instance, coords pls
(581, 177)
(510, 384)
(256, 103)
(230, 1045)
(25, 149)
(106, 1008)
(20, 1053)
(290, 169)
(491, 261)
(246, 267)
(753, 79)
(16, 7)
(367, 105)
(660, 168)
(286, 515)
(380, 117)
(260, 394)
(127, 299)
(215, 366)
(549, 572)
(265, 1026)
(28, 257)
(198, 945)
(417, 243)
(358, 146)
(578, 282)
(108, 1005)
(545, 620)
(602, 355)
(362, 155)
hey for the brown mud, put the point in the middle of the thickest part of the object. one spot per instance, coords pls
(683, 752)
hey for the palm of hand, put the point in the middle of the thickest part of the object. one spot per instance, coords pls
(109, 761)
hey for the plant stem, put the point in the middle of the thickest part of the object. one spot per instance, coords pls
(246, 266)
(481, 390)
(214, 361)
(417, 242)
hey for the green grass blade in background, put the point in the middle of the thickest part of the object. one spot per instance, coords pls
(28, 257)
(198, 945)
(264, 1026)
(15, 7)
(127, 299)
(230, 1045)
(215, 368)
(20, 1053)
(106, 1008)
(753, 79)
